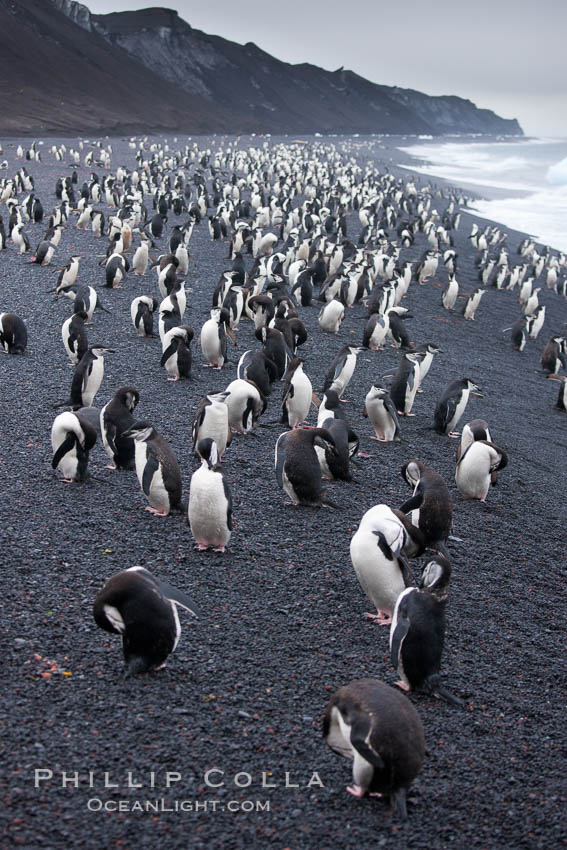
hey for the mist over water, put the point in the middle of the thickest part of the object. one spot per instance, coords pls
(525, 181)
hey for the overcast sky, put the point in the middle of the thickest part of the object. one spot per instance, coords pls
(504, 55)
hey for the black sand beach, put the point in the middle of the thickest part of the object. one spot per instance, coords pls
(283, 615)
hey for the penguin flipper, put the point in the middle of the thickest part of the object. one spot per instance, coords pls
(413, 502)
(406, 572)
(150, 469)
(65, 447)
(391, 408)
(228, 497)
(361, 729)
(178, 597)
(111, 432)
(400, 632)
(167, 354)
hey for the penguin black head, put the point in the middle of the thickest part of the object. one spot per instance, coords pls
(129, 396)
(208, 452)
(100, 350)
(411, 471)
(332, 400)
(470, 385)
(436, 575)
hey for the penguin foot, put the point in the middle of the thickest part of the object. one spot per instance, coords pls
(111, 466)
(356, 790)
(155, 512)
(403, 685)
(382, 618)
(413, 414)
(173, 379)
(201, 547)
(218, 549)
(379, 439)
(363, 454)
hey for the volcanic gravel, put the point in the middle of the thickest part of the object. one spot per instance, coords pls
(283, 621)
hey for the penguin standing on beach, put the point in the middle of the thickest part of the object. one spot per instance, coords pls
(553, 357)
(297, 394)
(142, 311)
(378, 551)
(405, 384)
(341, 369)
(157, 469)
(211, 420)
(13, 333)
(143, 610)
(176, 356)
(417, 633)
(380, 731)
(380, 409)
(213, 338)
(74, 336)
(561, 403)
(451, 405)
(297, 467)
(87, 377)
(72, 438)
(210, 501)
(477, 469)
(115, 419)
(430, 506)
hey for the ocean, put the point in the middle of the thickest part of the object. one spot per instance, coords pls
(523, 182)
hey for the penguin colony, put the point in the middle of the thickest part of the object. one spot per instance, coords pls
(284, 216)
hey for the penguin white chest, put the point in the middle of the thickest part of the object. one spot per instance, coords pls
(208, 508)
(459, 410)
(93, 381)
(298, 406)
(210, 343)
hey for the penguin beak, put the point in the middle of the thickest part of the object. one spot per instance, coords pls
(477, 394)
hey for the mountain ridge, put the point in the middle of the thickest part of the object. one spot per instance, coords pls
(195, 83)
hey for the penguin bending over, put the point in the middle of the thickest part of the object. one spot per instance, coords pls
(176, 355)
(142, 311)
(380, 731)
(143, 610)
(297, 467)
(256, 367)
(210, 501)
(430, 505)
(72, 438)
(245, 405)
(417, 633)
(211, 420)
(477, 469)
(476, 429)
(157, 469)
(13, 333)
(378, 551)
(115, 419)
